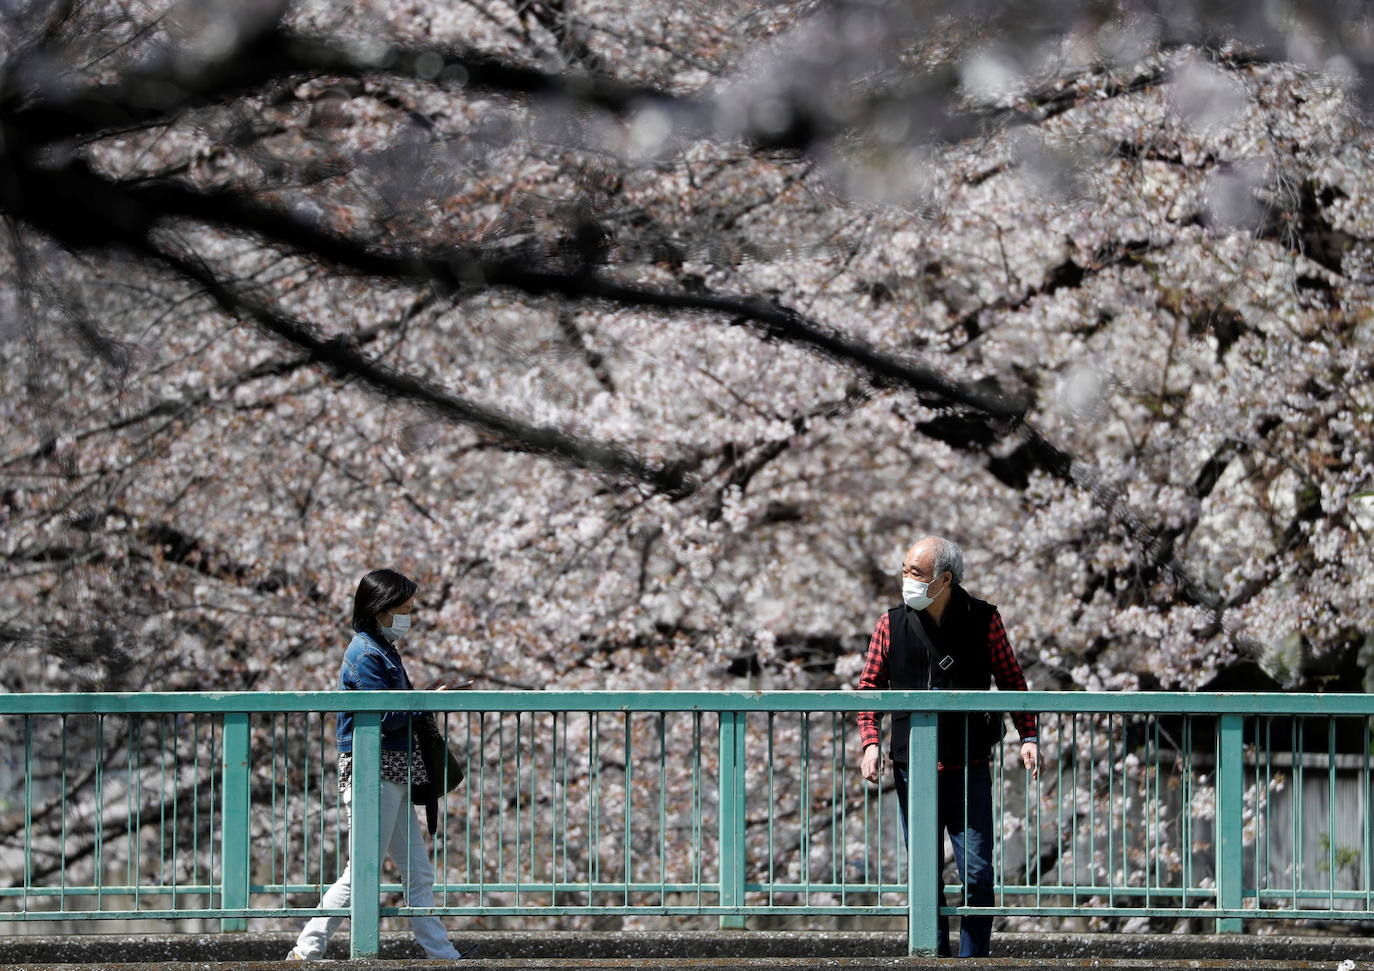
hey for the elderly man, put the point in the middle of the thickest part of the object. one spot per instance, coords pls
(940, 638)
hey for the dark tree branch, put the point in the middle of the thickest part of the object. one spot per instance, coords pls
(276, 55)
(1066, 275)
(1063, 95)
(277, 368)
(102, 213)
(338, 356)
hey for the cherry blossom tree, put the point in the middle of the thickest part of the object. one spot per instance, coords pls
(646, 337)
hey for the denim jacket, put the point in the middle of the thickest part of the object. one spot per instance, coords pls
(370, 664)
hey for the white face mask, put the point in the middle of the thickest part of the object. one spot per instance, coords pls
(400, 623)
(915, 593)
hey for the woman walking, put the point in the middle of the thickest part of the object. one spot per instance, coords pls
(381, 617)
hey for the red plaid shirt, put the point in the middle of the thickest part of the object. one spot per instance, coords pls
(1006, 673)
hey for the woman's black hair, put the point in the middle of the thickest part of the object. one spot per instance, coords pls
(378, 592)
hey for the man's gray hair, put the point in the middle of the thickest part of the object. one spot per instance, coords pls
(949, 557)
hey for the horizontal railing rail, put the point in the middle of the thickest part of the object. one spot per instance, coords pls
(1064, 702)
(724, 805)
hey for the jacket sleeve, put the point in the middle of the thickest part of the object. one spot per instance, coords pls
(375, 674)
(874, 678)
(1007, 674)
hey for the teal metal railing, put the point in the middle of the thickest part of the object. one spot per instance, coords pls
(725, 805)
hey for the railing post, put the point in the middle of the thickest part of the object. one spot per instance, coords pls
(1229, 823)
(732, 817)
(234, 820)
(924, 850)
(365, 836)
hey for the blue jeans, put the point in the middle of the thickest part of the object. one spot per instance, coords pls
(972, 840)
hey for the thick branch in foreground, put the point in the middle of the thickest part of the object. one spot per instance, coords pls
(278, 56)
(100, 212)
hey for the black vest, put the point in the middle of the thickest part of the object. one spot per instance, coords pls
(917, 663)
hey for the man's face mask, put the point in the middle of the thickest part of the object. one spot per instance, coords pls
(916, 593)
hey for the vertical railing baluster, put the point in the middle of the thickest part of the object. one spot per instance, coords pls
(216, 785)
(1263, 821)
(1160, 817)
(593, 792)
(867, 792)
(274, 826)
(1111, 794)
(501, 797)
(731, 805)
(286, 803)
(924, 847)
(195, 805)
(99, 853)
(176, 786)
(481, 809)
(1058, 800)
(663, 809)
(468, 797)
(804, 806)
(1149, 769)
(338, 813)
(999, 787)
(629, 807)
(1073, 807)
(1002, 799)
(1228, 821)
(62, 883)
(566, 871)
(1037, 808)
(554, 829)
(1299, 764)
(772, 813)
(836, 806)
(234, 819)
(967, 771)
(28, 811)
(1092, 801)
(534, 795)
(1186, 797)
(365, 836)
(1331, 810)
(305, 801)
(878, 837)
(441, 856)
(162, 800)
(1261, 794)
(1366, 816)
(133, 831)
(698, 826)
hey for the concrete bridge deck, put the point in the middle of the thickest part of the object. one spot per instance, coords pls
(694, 951)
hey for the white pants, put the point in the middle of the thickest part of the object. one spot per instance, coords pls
(401, 839)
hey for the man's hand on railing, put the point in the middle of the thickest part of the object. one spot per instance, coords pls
(872, 762)
(1031, 758)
